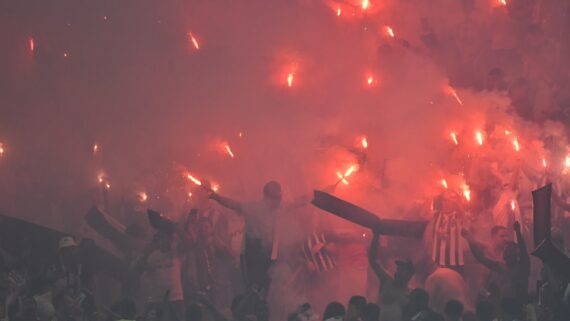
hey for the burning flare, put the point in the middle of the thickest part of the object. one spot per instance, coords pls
(454, 138)
(290, 80)
(467, 193)
(370, 80)
(444, 183)
(365, 4)
(1, 149)
(503, 2)
(516, 144)
(338, 12)
(453, 93)
(194, 179)
(544, 162)
(513, 205)
(390, 31)
(364, 143)
(228, 150)
(142, 197)
(95, 149)
(194, 41)
(347, 173)
(32, 44)
(479, 138)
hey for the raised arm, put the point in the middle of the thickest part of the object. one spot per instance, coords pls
(227, 202)
(479, 254)
(382, 275)
(524, 258)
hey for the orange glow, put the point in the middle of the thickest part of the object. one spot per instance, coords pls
(389, 31)
(364, 142)
(544, 162)
(1, 149)
(142, 197)
(338, 12)
(516, 144)
(100, 178)
(503, 2)
(370, 80)
(347, 173)
(454, 138)
(467, 193)
(513, 205)
(507, 132)
(107, 185)
(479, 138)
(566, 161)
(215, 187)
(32, 44)
(95, 149)
(444, 183)
(365, 4)
(229, 150)
(189, 194)
(194, 41)
(194, 180)
(290, 80)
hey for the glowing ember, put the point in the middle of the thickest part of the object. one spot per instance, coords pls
(194, 180)
(365, 4)
(389, 31)
(513, 205)
(95, 149)
(189, 194)
(65, 55)
(32, 44)
(479, 138)
(516, 144)
(454, 138)
(100, 178)
(370, 80)
(194, 41)
(215, 187)
(229, 150)
(338, 12)
(467, 193)
(290, 80)
(1, 149)
(142, 197)
(107, 185)
(444, 183)
(364, 143)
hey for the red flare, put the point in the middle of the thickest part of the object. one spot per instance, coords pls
(95, 149)
(65, 55)
(513, 205)
(142, 197)
(467, 193)
(1, 149)
(364, 143)
(290, 77)
(389, 31)
(444, 183)
(453, 93)
(215, 187)
(32, 44)
(229, 150)
(342, 179)
(544, 162)
(194, 41)
(479, 138)
(107, 185)
(503, 2)
(454, 138)
(516, 144)
(365, 4)
(566, 161)
(338, 12)
(194, 180)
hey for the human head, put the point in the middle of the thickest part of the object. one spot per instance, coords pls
(500, 236)
(334, 310)
(453, 310)
(67, 248)
(371, 312)
(419, 300)
(485, 311)
(355, 306)
(193, 312)
(405, 270)
(511, 254)
(272, 194)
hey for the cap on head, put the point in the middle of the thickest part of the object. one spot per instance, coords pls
(67, 241)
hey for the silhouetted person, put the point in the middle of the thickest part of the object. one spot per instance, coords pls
(355, 306)
(334, 312)
(371, 312)
(453, 310)
(393, 290)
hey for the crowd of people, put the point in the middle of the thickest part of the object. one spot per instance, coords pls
(190, 270)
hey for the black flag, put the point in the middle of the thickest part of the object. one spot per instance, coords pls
(368, 219)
